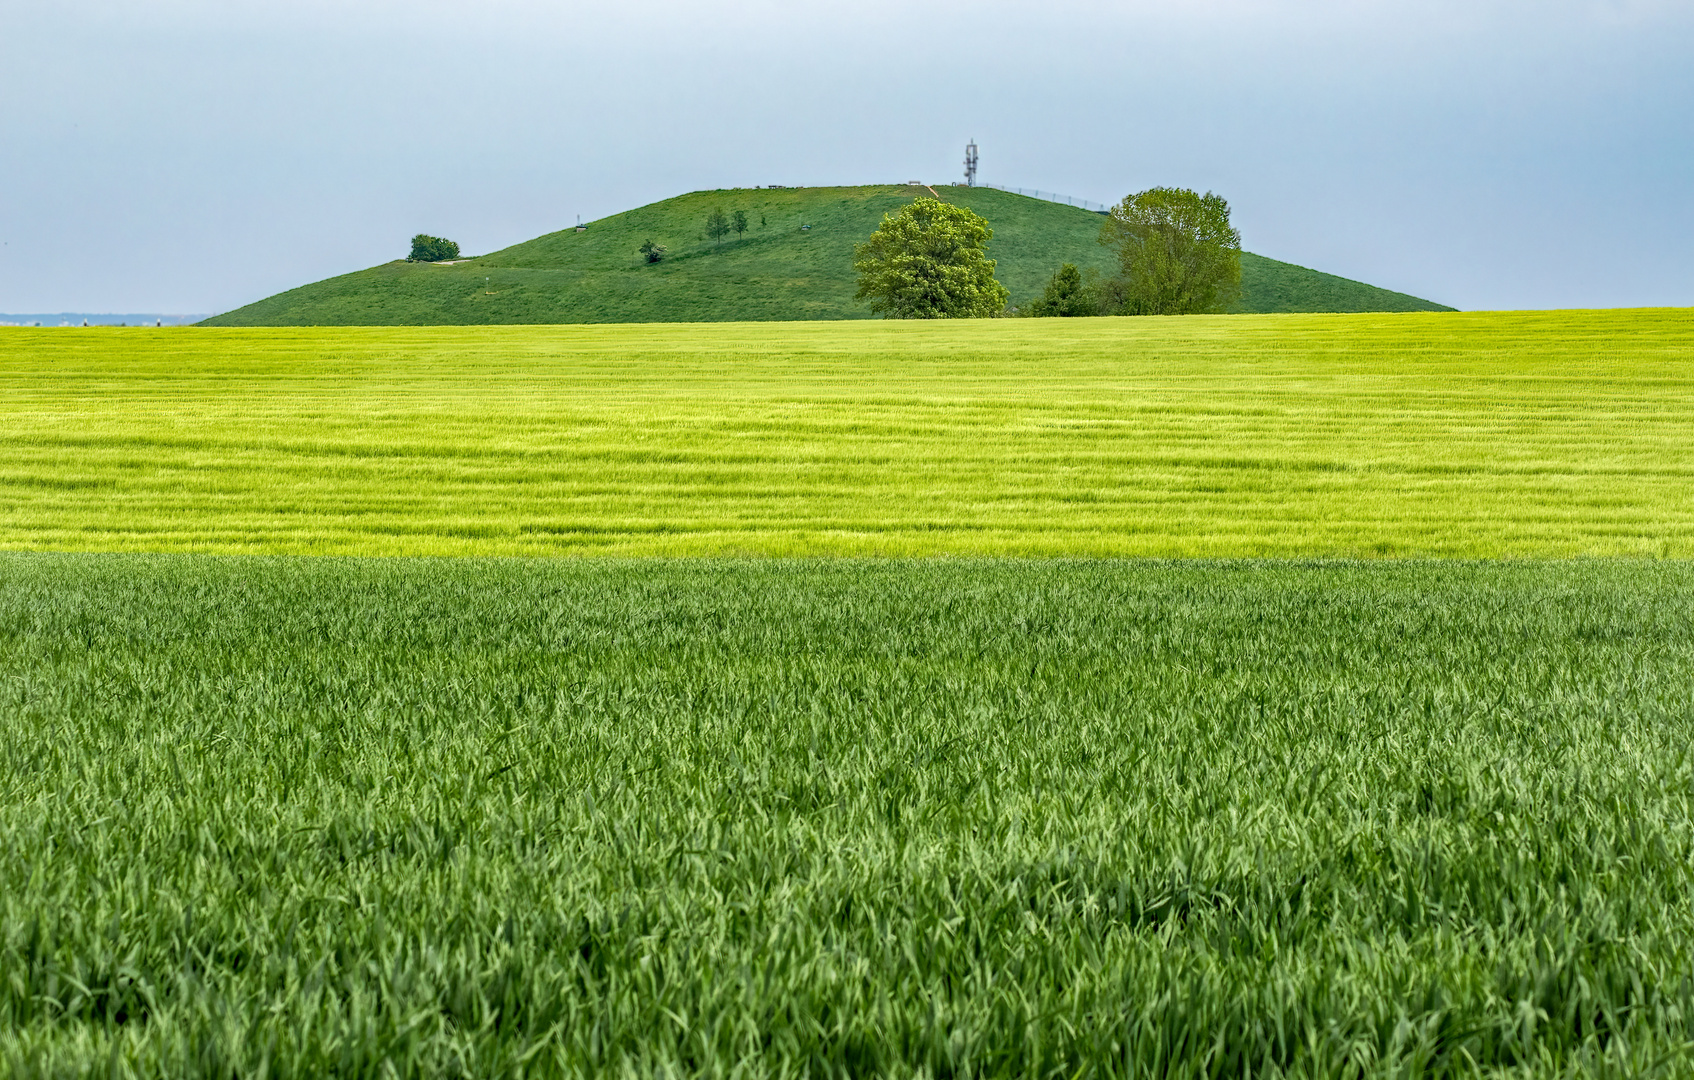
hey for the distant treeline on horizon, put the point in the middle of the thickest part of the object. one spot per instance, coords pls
(78, 318)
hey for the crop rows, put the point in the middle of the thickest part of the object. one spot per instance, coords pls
(1452, 435)
(301, 817)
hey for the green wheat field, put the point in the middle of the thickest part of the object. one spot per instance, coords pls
(1348, 435)
(1389, 772)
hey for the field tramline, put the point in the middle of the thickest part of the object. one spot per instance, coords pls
(1555, 434)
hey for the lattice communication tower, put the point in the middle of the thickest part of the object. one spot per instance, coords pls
(970, 164)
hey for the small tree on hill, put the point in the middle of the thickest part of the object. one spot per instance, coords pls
(1178, 252)
(1067, 296)
(929, 262)
(426, 248)
(717, 223)
(738, 222)
(654, 252)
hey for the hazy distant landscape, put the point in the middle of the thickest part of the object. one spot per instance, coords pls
(78, 318)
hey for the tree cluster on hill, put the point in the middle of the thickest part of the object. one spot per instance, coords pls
(426, 248)
(720, 224)
(1177, 255)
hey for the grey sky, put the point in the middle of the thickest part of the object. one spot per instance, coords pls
(194, 155)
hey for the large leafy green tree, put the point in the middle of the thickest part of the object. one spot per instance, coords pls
(1177, 250)
(929, 261)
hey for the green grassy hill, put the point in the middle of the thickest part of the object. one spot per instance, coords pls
(794, 262)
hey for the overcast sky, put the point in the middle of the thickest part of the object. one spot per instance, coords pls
(195, 155)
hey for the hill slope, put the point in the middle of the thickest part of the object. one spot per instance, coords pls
(794, 262)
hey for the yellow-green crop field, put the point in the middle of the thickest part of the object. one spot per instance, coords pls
(1529, 434)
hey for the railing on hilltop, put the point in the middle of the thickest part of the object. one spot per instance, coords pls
(1050, 196)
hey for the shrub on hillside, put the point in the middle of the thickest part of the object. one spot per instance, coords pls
(1067, 296)
(654, 252)
(426, 248)
(717, 224)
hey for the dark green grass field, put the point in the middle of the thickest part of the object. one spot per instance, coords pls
(776, 271)
(430, 817)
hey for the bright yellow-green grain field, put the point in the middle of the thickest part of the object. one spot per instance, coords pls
(1529, 434)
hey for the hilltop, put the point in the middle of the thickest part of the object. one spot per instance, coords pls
(794, 262)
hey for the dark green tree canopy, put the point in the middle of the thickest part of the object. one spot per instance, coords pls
(654, 252)
(929, 261)
(1067, 296)
(1178, 252)
(426, 248)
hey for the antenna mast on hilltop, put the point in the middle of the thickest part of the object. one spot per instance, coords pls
(970, 164)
